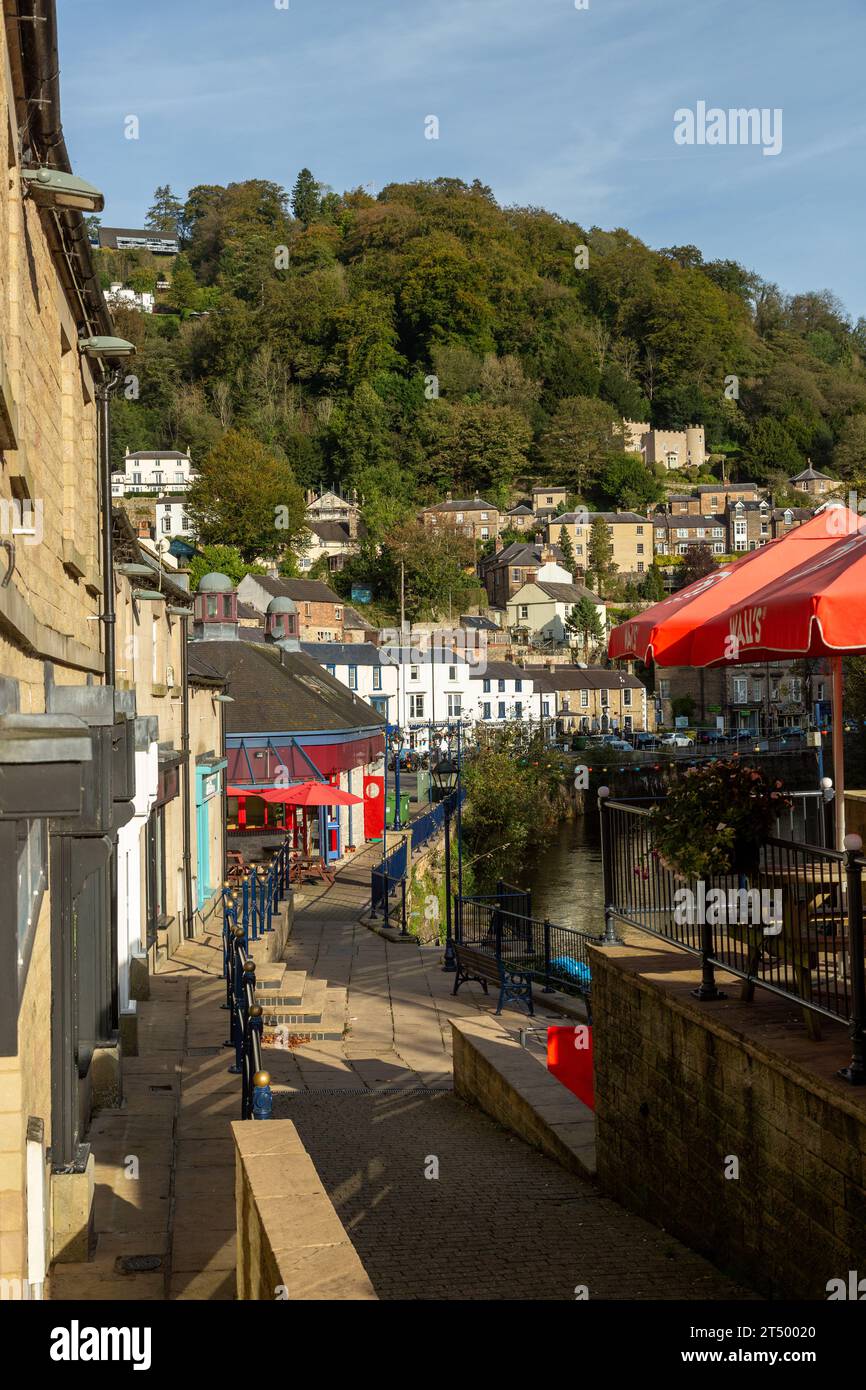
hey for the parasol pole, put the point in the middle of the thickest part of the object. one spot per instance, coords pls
(838, 751)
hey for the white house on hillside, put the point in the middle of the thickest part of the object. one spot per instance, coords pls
(151, 472)
(543, 605)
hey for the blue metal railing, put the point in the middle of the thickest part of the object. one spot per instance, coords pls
(429, 823)
(249, 905)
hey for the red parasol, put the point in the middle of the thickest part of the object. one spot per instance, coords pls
(301, 794)
(802, 595)
(313, 794)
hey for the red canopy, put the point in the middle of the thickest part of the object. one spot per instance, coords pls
(802, 595)
(794, 596)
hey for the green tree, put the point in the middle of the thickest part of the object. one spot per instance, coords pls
(627, 482)
(306, 198)
(184, 293)
(165, 212)
(600, 555)
(652, 585)
(220, 559)
(247, 498)
(583, 622)
(578, 440)
(568, 557)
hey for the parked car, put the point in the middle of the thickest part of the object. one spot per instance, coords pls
(620, 745)
(676, 740)
(646, 740)
(711, 736)
(791, 731)
(742, 735)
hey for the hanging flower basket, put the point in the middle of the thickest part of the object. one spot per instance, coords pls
(716, 819)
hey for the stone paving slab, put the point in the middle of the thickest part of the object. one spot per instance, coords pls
(372, 1109)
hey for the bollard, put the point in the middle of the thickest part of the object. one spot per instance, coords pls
(263, 1100)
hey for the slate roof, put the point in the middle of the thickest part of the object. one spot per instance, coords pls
(566, 593)
(610, 517)
(275, 691)
(687, 519)
(811, 475)
(502, 670)
(521, 554)
(336, 532)
(586, 678)
(301, 590)
(343, 653)
(472, 504)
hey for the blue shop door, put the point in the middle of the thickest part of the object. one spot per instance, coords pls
(333, 849)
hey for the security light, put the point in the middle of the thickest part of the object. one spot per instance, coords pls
(103, 346)
(52, 188)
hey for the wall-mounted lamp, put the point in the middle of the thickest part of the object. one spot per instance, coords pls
(104, 346)
(52, 188)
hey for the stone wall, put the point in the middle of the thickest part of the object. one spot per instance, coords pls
(680, 1092)
(291, 1243)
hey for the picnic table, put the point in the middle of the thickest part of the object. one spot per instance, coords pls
(309, 866)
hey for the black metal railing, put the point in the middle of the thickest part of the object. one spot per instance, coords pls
(793, 927)
(555, 956)
(250, 902)
(390, 877)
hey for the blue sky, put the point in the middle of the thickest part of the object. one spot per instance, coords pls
(568, 109)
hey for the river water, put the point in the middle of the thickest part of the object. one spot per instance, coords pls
(566, 879)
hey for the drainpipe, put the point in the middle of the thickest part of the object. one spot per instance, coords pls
(189, 920)
(108, 616)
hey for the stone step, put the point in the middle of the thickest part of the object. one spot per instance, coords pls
(278, 982)
(309, 1009)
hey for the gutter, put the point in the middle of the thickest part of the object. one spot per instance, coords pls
(38, 43)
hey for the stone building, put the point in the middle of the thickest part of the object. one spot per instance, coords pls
(712, 498)
(321, 612)
(67, 745)
(171, 854)
(815, 484)
(473, 517)
(630, 534)
(673, 449)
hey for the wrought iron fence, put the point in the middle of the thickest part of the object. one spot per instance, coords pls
(794, 927)
(555, 956)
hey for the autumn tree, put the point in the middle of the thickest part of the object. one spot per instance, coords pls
(697, 563)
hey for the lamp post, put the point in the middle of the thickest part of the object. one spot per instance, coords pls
(396, 741)
(446, 773)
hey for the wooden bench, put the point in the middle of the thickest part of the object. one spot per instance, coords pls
(514, 986)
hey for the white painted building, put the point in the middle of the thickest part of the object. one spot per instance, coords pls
(543, 605)
(151, 472)
(360, 667)
(172, 519)
(119, 296)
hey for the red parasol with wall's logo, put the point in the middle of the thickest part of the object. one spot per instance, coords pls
(802, 595)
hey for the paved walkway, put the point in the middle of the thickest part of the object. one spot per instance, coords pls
(376, 1113)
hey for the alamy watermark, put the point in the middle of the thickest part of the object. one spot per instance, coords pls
(22, 519)
(735, 126)
(447, 645)
(729, 907)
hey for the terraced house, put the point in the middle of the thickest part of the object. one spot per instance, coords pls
(67, 745)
